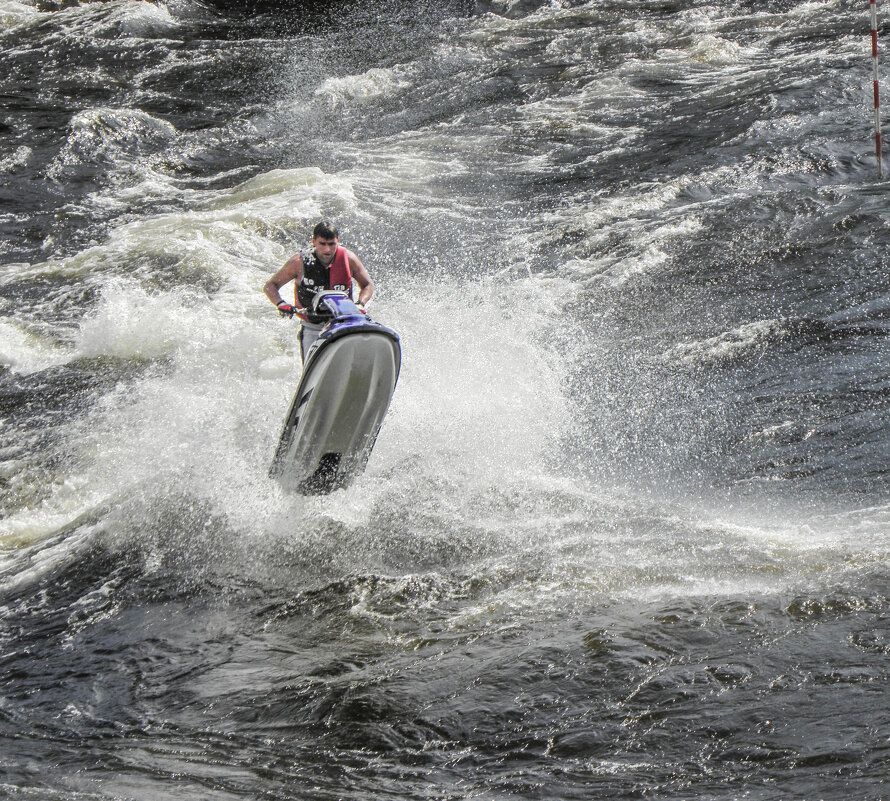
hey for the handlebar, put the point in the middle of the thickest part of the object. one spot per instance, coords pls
(329, 304)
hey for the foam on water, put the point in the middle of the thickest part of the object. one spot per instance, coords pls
(467, 473)
(204, 414)
(122, 137)
(118, 19)
(639, 283)
(13, 13)
(728, 345)
(17, 159)
(26, 351)
(369, 86)
(470, 467)
(177, 332)
(224, 233)
(469, 454)
(142, 19)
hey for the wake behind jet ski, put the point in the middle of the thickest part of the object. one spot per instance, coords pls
(348, 380)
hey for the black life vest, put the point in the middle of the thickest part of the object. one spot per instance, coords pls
(317, 277)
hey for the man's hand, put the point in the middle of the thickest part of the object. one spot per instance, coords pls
(285, 309)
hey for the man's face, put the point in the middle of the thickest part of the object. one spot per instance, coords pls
(325, 249)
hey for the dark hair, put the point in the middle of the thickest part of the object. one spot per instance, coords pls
(326, 230)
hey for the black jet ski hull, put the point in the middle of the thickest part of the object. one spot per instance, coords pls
(347, 384)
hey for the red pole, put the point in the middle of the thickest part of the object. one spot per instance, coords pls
(874, 60)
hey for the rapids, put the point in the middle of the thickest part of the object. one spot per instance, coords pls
(625, 531)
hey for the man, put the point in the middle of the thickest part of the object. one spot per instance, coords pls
(327, 265)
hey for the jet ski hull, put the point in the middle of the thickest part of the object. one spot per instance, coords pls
(347, 384)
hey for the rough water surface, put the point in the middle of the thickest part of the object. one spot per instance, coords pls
(626, 530)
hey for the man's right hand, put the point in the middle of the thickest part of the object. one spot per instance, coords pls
(285, 309)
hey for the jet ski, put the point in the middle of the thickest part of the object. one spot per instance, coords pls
(348, 381)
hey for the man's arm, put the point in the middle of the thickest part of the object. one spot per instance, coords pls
(292, 271)
(360, 274)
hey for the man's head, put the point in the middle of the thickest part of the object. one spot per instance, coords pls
(325, 239)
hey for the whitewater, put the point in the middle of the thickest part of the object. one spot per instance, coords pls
(625, 531)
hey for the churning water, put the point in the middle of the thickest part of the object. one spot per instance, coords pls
(625, 532)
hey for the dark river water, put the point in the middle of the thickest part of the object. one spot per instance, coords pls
(626, 529)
